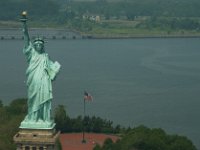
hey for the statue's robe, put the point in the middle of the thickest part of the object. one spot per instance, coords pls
(40, 73)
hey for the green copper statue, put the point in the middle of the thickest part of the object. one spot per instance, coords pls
(40, 73)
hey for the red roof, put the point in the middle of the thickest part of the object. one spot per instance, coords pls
(73, 141)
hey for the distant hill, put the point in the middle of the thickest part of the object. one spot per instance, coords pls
(99, 0)
(65, 1)
(160, 15)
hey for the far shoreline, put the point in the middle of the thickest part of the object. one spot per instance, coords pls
(64, 33)
(138, 36)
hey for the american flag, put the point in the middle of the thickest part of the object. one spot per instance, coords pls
(87, 96)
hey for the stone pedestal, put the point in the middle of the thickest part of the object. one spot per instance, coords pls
(36, 139)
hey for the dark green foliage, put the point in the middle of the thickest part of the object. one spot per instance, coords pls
(52, 9)
(139, 138)
(61, 118)
(17, 107)
(143, 138)
(131, 8)
(163, 14)
(92, 124)
(81, 25)
(10, 118)
(170, 23)
(1, 103)
(108, 144)
(97, 147)
(58, 144)
(167, 15)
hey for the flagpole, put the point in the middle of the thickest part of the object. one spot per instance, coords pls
(83, 140)
(87, 97)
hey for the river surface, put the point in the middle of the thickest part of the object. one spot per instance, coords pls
(154, 82)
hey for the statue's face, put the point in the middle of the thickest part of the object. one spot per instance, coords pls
(39, 46)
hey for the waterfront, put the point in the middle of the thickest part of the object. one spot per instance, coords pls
(155, 82)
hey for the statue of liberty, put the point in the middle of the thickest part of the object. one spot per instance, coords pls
(40, 73)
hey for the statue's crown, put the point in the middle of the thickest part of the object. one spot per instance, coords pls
(38, 39)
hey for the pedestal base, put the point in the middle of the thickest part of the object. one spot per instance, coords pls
(37, 125)
(36, 139)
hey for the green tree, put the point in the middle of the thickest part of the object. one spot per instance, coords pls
(108, 144)
(1, 103)
(10, 118)
(97, 147)
(61, 118)
(18, 106)
(77, 124)
(143, 138)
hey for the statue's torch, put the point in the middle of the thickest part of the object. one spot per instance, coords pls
(23, 16)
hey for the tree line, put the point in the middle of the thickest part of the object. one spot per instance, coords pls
(143, 138)
(10, 118)
(12, 115)
(138, 138)
(129, 8)
(170, 23)
(65, 124)
(155, 14)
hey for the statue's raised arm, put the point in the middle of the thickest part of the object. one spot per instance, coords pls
(25, 29)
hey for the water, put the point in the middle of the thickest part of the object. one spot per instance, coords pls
(154, 82)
